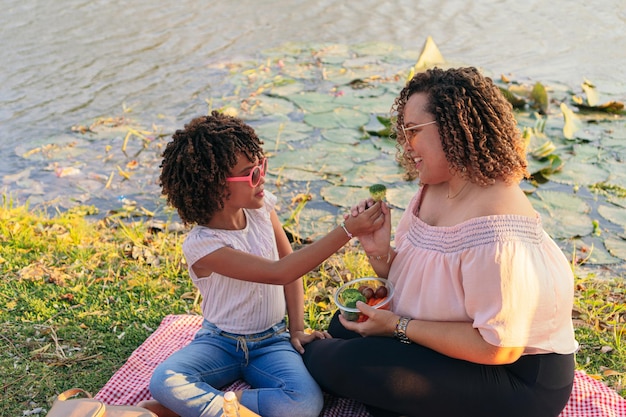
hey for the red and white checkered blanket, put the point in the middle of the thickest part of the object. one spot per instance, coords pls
(129, 385)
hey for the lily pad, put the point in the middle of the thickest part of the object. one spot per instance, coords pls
(312, 222)
(268, 105)
(376, 100)
(313, 102)
(590, 250)
(344, 196)
(310, 164)
(613, 214)
(343, 136)
(377, 49)
(575, 172)
(563, 215)
(616, 247)
(545, 166)
(375, 171)
(339, 117)
(296, 174)
(286, 90)
(617, 174)
(400, 196)
(276, 132)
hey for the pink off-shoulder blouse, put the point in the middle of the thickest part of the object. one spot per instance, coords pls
(502, 273)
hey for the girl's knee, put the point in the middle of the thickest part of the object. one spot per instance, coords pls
(161, 381)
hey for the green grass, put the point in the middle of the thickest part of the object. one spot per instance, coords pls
(79, 295)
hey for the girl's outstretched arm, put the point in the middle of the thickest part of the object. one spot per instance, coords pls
(241, 265)
(294, 295)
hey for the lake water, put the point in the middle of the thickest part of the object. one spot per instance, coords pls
(68, 62)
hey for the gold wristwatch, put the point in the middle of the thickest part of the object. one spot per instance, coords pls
(400, 332)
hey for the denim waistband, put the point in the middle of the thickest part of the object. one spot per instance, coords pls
(256, 337)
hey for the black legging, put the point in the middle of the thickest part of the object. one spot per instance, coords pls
(394, 378)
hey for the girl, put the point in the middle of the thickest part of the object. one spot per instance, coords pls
(239, 257)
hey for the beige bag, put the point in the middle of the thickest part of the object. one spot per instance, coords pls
(65, 406)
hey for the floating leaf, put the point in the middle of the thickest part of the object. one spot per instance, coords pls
(546, 166)
(539, 97)
(613, 214)
(616, 247)
(268, 106)
(343, 136)
(592, 102)
(317, 162)
(375, 104)
(563, 215)
(577, 172)
(544, 150)
(276, 133)
(373, 172)
(591, 93)
(430, 56)
(342, 196)
(572, 122)
(340, 117)
(311, 222)
(376, 49)
(516, 101)
(590, 249)
(400, 196)
(611, 106)
(313, 102)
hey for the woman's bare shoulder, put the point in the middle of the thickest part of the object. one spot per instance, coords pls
(503, 199)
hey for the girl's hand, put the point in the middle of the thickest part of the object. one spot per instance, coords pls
(379, 323)
(361, 206)
(368, 221)
(377, 241)
(301, 338)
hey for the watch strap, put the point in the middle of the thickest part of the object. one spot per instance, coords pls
(400, 331)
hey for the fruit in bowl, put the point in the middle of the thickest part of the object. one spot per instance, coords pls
(374, 291)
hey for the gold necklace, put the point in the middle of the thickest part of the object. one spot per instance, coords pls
(457, 194)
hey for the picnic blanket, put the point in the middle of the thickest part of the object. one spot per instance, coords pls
(129, 385)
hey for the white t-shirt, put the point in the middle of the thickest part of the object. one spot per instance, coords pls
(233, 305)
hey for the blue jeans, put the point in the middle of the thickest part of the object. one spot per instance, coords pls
(188, 381)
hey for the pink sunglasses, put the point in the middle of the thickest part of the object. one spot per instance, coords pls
(254, 177)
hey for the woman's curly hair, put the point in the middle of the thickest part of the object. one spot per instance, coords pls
(199, 158)
(476, 124)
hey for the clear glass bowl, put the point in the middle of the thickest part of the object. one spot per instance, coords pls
(353, 314)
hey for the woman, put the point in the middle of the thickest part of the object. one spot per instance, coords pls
(480, 323)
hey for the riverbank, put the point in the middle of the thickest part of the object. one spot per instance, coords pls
(81, 294)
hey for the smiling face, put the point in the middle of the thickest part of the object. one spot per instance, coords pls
(242, 195)
(423, 142)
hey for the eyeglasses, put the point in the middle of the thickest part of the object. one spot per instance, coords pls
(409, 135)
(254, 177)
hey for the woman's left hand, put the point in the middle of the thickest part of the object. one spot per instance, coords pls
(379, 322)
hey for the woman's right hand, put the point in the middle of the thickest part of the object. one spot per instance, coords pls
(377, 242)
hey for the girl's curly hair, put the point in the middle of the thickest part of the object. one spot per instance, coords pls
(476, 124)
(199, 158)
